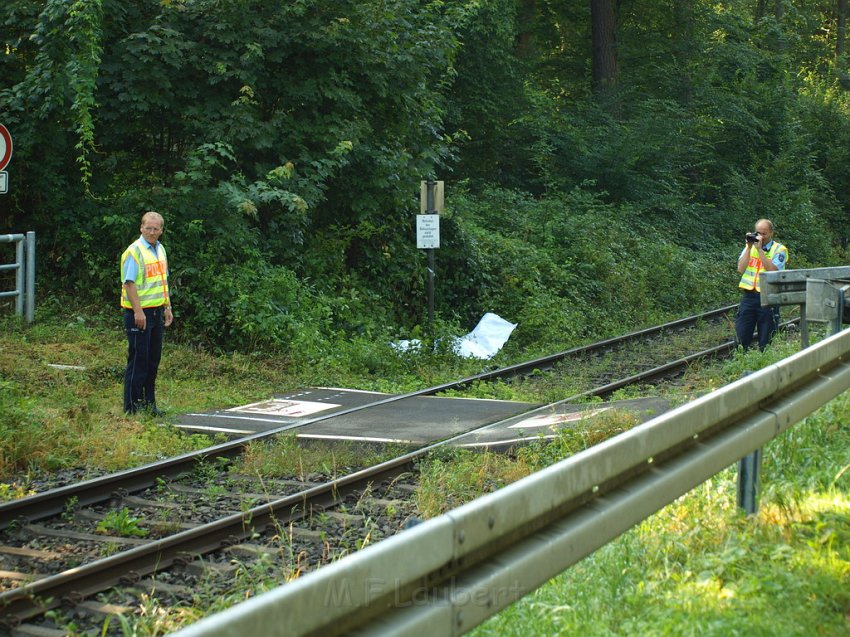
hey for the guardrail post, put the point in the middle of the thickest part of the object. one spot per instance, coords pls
(749, 468)
(748, 479)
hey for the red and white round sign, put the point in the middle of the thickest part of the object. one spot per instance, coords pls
(5, 147)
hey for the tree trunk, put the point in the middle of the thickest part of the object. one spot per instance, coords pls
(603, 18)
(779, 12)
(524, 40)
(683, 26)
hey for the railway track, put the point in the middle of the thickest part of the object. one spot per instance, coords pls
(253, 520)
(101, 489)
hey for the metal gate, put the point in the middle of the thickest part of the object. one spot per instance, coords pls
(24, 268)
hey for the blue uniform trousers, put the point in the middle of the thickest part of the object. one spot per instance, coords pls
(143, 355)
(750, 315)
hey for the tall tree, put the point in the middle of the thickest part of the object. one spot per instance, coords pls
(603, 17)
(527, 14)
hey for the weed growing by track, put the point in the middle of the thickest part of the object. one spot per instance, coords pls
(450, 477)
(121, 523)
(287, 456)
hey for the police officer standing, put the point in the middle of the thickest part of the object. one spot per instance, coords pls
(146, 303)
(760, 254)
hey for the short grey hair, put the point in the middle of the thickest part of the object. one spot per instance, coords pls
(153, 214)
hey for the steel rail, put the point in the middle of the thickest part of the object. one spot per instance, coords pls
(667, 370)
(671, 369)
(128, 566)
(52, 502)
(547, 362)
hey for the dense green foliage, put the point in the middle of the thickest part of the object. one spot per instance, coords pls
(285, 142)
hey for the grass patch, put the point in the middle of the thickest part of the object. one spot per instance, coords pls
(286, 456)
(36, 436)
(450, 477)
(72, 415)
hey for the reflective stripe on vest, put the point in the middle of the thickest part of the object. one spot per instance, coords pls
(750, 277)
(152, 277)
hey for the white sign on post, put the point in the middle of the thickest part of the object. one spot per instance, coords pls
(427, 231)
(4, 183)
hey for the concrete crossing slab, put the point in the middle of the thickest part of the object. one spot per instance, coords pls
(547, 424)
(415, 421)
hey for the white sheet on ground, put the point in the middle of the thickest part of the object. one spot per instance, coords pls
(485, 341)
(488, 337)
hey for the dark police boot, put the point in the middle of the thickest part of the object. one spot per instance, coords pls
(135, 408)
(155, 411)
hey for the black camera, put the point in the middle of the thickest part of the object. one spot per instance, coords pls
(752, 237)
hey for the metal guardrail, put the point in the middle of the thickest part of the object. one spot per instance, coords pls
(788, 287)
(24, 267)
(450, 573)
(821, 294)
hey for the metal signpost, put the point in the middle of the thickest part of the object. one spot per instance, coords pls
(431, 203)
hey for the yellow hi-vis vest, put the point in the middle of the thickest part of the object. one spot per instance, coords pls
(152, 278)
(750, 277)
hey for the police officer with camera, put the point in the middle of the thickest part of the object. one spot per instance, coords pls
(760, 254)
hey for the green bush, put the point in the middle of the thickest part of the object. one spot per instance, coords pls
(571, 267)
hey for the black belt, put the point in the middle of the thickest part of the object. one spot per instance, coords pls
(752, 292)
